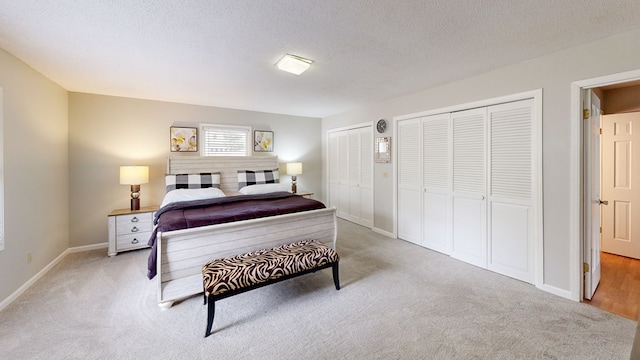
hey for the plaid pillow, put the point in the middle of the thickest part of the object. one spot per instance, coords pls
(192, 181)
(248, 177)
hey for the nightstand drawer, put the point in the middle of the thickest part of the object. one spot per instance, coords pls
(133, 223)
(132, 241)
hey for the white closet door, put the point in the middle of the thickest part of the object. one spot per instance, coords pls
(334, 171)
(366, 177)
(409, 181)
(343, 175)
(437, 199)
(469, 186)
(355, 210)
(511, 169)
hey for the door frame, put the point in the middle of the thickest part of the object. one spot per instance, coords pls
(578, 176)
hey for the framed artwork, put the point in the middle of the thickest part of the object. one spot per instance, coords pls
(184, 139)
(382, 149)
(262, 140)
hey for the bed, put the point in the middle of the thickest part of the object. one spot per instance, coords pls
(180, 254)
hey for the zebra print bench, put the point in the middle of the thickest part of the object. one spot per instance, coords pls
(222, 278)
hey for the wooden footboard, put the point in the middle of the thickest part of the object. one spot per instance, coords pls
(182, 253)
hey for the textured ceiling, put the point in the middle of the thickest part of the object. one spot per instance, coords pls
(222, 53)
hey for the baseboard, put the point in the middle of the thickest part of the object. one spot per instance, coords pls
(383, 232)
(11, 298)
(87, 248)
(557, 291)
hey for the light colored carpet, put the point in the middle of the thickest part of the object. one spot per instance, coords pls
(398, 301)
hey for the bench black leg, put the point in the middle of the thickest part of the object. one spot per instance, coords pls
(211, 311)
(336, 279)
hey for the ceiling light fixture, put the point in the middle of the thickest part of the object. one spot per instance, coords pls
(294, 64)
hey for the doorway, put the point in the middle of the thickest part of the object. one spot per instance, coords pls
(617, 285)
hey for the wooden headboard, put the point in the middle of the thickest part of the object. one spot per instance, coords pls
(227, 166)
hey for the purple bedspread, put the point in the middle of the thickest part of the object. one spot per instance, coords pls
(189, 214)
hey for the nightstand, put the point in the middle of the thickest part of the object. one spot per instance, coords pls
(308, 195)
(130, 229)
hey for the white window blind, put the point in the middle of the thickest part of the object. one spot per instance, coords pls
(224, 140)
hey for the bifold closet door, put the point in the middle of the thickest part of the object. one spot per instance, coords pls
(511, 173)
(334, 171)
(437, 199)
(361, 176)
(409, 181)
(469, 186)
(343, 175)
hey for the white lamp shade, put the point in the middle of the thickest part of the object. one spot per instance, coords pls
(294, 168)
(134, 175)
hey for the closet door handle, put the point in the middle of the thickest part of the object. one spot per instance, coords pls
(603, 202)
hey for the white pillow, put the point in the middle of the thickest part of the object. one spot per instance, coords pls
(264, 188)
(191, 194)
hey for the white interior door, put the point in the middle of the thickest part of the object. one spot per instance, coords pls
(409, 181)
(437, 199)
(469, 186)
(592, 190)
(621, 187)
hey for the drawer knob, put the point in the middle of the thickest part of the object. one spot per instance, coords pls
(134, 219)
(134, 241)
(134, 229)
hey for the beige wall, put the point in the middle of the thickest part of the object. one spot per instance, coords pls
(554, 74)
(35, 172)
(106, 132)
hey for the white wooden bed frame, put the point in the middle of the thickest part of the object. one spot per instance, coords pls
(182, 253)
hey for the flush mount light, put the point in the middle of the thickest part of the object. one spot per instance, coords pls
(294, 64)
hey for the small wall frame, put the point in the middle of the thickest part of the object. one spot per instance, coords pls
(382, 149)
(263, 140)
(184, 139)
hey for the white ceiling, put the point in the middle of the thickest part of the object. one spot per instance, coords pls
(222, 53)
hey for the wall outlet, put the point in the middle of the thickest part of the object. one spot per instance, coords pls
(29, 257)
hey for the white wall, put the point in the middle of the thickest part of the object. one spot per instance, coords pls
(106, 132)
(36, 172)
(554, 74)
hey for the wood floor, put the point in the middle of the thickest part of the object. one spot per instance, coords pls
(619, 289)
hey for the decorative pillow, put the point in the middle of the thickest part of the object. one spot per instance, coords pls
(248, 177)
(264, 189)
(192, 181)
(191, 194)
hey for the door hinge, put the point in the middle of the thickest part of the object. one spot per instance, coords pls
(600, 229)
(586, 114)
(600, 131)
(585, 267)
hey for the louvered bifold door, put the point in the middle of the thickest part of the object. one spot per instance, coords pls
(511, 169)
(343, 175)
(437, 196)
(469, 186)
(366, 177)
(334, 170)
(409, 181)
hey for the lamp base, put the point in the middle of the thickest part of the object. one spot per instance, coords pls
(294, 187)
(135, 197)
(135, 204)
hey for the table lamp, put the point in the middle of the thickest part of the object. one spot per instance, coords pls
(134, 176)
(294, 169)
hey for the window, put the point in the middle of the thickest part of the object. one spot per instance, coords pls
(225, 140)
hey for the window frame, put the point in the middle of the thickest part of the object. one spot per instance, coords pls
(204, 127)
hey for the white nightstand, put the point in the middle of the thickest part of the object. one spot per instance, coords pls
(306, 194)
(130, 229)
